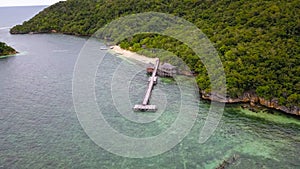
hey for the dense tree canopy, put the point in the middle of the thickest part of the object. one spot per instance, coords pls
(258, 41)
(6, 50)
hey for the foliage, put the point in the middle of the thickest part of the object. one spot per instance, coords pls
(6, 50)
(258, 41)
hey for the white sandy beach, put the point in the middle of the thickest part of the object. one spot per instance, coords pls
(132, 55)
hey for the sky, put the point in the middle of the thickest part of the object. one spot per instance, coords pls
(27, 2)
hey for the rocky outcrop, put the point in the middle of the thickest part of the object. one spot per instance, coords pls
(6, 50)
(252, 99)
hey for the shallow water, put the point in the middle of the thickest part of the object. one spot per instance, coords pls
(39, 126)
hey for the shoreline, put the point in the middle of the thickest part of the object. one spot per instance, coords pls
(6, 56)
(11, 54)
(206, 96)
(132, 55)
(247, 97)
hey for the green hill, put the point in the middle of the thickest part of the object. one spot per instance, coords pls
(6, 50)
(258, 41)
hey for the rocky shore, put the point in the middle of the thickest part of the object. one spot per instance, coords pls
(253, 100)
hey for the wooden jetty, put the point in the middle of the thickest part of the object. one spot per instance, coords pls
(151, 82)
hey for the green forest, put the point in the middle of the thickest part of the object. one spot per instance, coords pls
(6, 50)
(257, 41)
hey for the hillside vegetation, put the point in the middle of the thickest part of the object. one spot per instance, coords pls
(6, 50)
(258, 41)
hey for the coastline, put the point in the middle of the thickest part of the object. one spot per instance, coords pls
(253, 100)
(249, 98)
(132, 55)
(6, 56)
(9, 55)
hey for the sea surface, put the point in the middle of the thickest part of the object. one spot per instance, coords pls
(39, 127)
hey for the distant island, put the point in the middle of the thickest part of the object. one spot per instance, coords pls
(257, 41)
(6, 50)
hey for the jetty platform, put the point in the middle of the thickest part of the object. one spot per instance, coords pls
(151, 82)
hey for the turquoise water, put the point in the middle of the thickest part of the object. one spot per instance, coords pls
(39, 126)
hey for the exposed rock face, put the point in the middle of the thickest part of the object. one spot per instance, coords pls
(253, 99)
